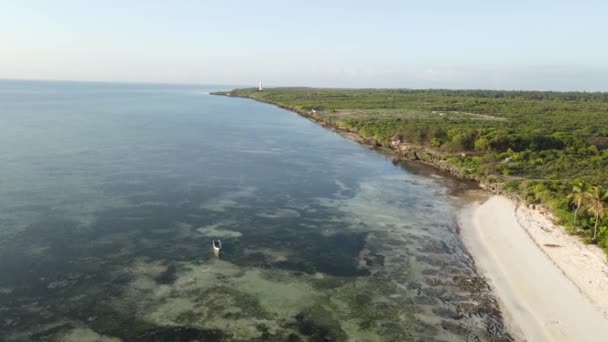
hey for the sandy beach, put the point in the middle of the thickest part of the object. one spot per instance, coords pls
(551, 287)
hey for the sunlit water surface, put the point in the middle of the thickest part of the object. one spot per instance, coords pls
(111, 194)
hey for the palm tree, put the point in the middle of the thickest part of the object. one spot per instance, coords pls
(578, 196)
(596, 198)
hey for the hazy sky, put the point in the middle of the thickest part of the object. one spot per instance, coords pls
(558, 45)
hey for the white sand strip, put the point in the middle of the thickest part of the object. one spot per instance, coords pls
(533, 281)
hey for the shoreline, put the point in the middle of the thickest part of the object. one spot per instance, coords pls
(401, 151)
(549, 285)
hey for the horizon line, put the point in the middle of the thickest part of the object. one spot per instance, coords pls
(242, 86)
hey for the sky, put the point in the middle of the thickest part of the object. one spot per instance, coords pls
(542, 45)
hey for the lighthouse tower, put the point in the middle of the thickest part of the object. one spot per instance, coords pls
(260, 86)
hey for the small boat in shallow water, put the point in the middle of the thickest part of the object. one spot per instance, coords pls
(217, 247)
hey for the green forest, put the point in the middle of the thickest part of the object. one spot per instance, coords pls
(548, 148)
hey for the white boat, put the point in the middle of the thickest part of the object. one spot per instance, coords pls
(217, 247)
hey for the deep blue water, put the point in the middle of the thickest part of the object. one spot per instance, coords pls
(110, 195)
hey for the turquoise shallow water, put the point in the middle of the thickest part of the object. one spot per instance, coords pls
(110, 195)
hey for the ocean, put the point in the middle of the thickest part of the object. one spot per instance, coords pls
(110, 196)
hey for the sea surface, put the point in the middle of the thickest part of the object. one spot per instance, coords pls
(110, 196)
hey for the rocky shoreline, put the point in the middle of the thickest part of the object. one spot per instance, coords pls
(398, 149)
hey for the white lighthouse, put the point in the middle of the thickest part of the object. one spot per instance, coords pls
(260, 86)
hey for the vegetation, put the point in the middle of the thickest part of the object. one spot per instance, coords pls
(578, 196)
(596, 197)
(548, 148)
